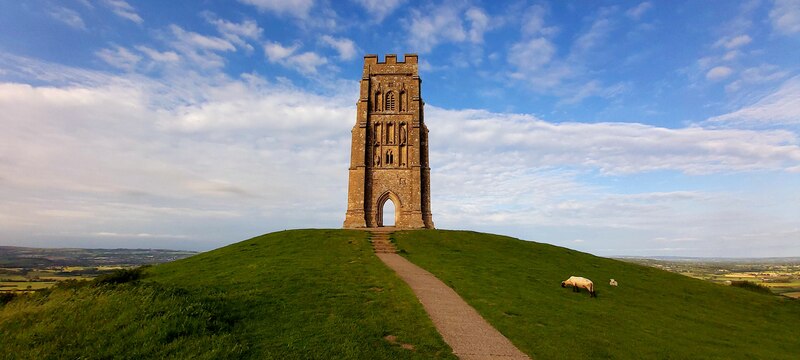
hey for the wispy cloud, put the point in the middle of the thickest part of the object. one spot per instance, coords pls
(781, 107)
(445, 23)
(304, 62)
(718, 73)
(174, 164)
(200, 49)
(158, 56)
(236, 33)
(535, 61)
(227, 159)
(379, 9)
(68, 16)
(617, 148)
(733, 42)
(638, 11)
(296, 8)
(346, 48)
(764, 73)
(124, 10)
(119, 57)
(785, 16)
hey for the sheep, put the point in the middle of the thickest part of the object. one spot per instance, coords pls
(578, 282)
(613, 282)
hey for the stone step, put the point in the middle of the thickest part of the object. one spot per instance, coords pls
(382, 243)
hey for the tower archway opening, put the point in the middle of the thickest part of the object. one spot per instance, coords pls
(388, 213)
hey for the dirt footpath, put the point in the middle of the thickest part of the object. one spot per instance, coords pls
(470, 336)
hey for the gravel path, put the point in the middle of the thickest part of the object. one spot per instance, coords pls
(470, 336)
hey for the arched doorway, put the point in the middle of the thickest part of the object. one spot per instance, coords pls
(388, 209)
(388, 213)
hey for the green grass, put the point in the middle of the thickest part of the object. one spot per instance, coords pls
(751, 286)
(304, 294)
(653, 314)
(322, 294)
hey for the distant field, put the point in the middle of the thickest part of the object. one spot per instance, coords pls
(794, 295)
(780, 276)
(45, 258)
(31, 269)
(25, 280)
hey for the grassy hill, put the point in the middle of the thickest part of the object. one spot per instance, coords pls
(653, 314)
(323, 294)
(303, 294)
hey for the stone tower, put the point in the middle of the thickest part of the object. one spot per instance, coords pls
(389, 154)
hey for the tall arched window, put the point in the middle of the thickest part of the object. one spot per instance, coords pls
(391, 103)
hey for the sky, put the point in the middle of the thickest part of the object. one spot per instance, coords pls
(640, 128)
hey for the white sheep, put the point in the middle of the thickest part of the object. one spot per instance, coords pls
(578, 282)
(613, 282)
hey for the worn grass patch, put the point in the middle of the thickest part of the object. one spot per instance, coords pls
(303, 294)
(653, 314)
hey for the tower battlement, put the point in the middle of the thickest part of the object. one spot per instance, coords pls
(371, 59)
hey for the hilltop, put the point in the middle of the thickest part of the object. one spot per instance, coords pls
(323, 294)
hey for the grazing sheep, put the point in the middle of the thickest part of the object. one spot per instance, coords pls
(578, 282)
(613, 282)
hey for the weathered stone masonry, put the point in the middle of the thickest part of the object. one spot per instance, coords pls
(389, 153)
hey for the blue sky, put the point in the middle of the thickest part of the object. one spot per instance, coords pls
(618, 128)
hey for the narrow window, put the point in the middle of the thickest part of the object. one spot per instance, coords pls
(390, 102)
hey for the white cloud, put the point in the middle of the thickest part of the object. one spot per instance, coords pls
(276, 52)
(761, 74)
(532, 54)
(533, 22)
(200, 49)
(379, 9)
(237, 33)
(595, 36)
(536, 64)
(428, 29)
(731, 55)
(785, 16)
(637, 11)
(210, 160)
(157, 56)
(478, 24)
(718, 73)
(68, 16)
(124, 10)
(445, 23)
(199, 41)
(306, 63)
(530, 177)
(593, 88)
(346, 48)
(613, 148)
(175, 166)
(733, 42)
(119, 57)
(297, 8)
(782, 107)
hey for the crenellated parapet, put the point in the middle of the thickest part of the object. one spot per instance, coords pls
(371, 59)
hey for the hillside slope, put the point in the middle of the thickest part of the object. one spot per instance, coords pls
(653, 314)
(302, 294)
(320, 294)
